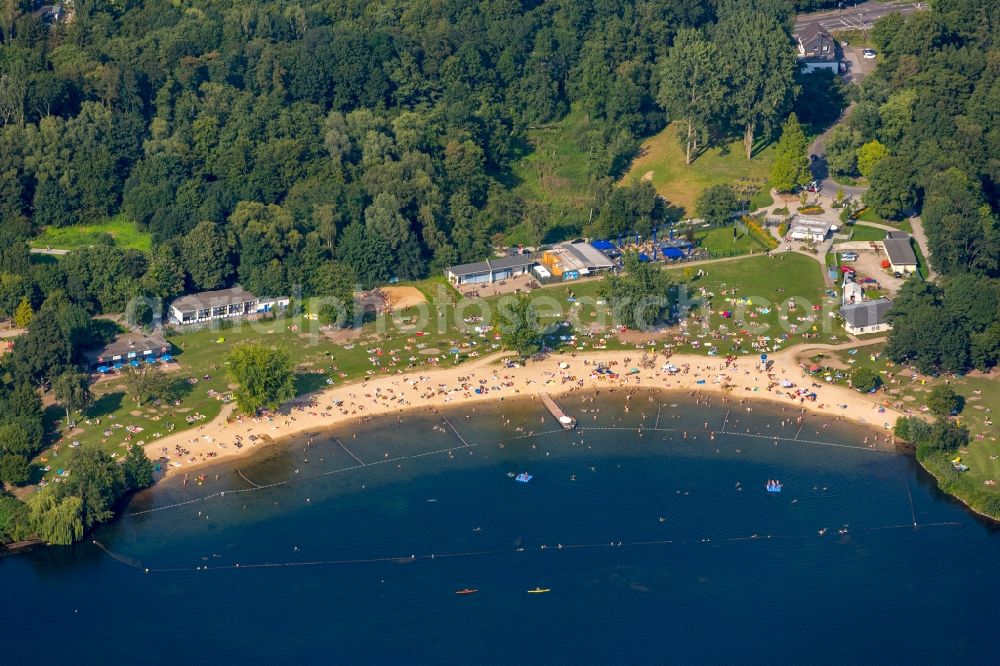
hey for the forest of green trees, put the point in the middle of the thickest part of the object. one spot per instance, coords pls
(317, 144)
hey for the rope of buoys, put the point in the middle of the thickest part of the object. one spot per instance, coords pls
(238, 471)
(349, 452)
(455, 430)
(136, 564)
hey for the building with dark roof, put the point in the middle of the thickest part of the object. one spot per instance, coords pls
(866, 317)
(126, 348)
(221, 304)
(818, 51)
(899, 252)
(490, 270)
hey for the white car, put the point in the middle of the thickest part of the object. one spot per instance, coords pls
(849, 256)
(869, 54)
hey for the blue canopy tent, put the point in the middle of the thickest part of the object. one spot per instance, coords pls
(166, 358)
(673, 253)
(119, 365)
(134, 363)
(150, 360)
(603, 245)
(103, 369)
(643, 256)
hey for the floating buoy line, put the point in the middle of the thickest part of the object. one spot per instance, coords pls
(543, 548)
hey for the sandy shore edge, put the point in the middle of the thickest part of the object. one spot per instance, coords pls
(397, 394)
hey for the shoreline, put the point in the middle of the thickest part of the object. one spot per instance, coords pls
(228, 437)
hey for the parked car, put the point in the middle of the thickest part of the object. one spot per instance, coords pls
(814, 186)
(869, 54)
(897, 274)
(849, 256)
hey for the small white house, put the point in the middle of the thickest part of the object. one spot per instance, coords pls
(818, 51)
(809, 229)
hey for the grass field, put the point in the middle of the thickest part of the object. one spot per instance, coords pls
(125, 233)
(719, 240)
(661, 160)
(862, 232)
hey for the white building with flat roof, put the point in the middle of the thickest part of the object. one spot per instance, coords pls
(222, 304)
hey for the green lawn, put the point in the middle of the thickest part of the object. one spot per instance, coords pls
(758, 290)
(661, 160)
(124, 232)
(862, 232)
(719, 241)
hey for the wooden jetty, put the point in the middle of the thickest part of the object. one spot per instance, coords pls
(567, 422)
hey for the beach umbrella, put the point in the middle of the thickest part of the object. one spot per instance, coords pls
(786, 383)
(813, 368)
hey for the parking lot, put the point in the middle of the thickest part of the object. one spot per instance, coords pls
(869, 265)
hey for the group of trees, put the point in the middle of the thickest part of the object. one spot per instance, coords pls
(926, 136)
(951, 326)
(738, 73)
(641, 296)
(286, 144)
(929, 107)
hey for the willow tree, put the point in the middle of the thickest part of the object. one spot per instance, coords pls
(57, 521)
(264, 377)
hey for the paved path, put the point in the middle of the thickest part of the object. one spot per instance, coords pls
(921, 238)
(49, 251)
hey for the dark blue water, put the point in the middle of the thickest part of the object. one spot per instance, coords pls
(336, 565)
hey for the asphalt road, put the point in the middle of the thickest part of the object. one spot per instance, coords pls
(854, 15)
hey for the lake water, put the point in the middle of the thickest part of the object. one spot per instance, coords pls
(356, 554)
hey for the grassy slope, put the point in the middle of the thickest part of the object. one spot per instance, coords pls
(124, 231)
(555, 172)
(661, 158)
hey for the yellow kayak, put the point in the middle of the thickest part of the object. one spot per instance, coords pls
(539, 590)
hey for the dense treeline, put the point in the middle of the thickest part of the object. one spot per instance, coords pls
(286, 134)
(925, 134)
(318, 144)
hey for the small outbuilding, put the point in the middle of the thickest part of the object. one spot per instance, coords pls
(899, 252)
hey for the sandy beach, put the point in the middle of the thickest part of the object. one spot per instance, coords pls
(230, 435)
